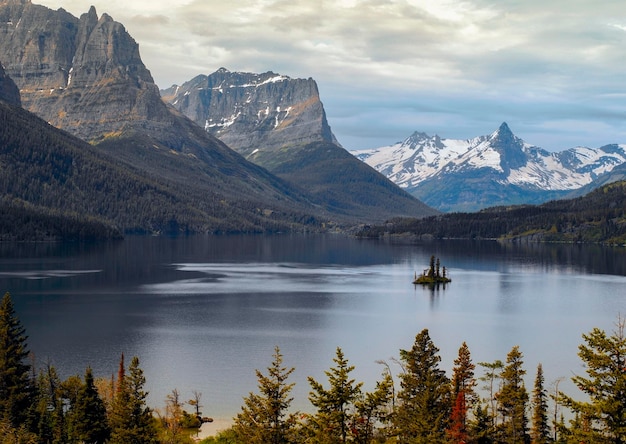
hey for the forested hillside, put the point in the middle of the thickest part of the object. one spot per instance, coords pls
(335, 180)
(422, 403)
(57, 174)
(596, 217)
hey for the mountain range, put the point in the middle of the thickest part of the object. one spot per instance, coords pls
(85, 76)
(229, 151)
(497, 169)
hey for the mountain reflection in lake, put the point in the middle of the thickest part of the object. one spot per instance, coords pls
(202, 313)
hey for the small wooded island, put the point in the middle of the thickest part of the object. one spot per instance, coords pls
(433, 275)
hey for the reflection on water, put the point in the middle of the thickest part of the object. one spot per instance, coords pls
(203, 312)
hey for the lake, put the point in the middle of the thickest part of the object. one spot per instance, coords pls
(202, 313)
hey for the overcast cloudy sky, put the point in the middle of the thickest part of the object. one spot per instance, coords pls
(554, 70)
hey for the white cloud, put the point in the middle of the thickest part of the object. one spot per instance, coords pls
(453, 67)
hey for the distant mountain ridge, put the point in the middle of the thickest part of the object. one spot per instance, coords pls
(498, 169)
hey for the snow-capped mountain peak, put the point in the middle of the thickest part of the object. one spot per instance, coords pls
(500, 158)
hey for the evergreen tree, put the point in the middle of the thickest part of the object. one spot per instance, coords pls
(264, 418)
(88, 418)
(16, 435)
(457, 430)
(540, 430)
(603, 417)
(371, 409)
(512, 400)
(16, 384)
(332, 422)
(431, 267)
(131, 420)
(493, 383)
(51, 428)
(463, 394)
(481, 427)
(424, 398)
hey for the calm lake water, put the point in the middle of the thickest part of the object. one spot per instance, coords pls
(202, 313)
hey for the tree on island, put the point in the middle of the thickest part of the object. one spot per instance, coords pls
(434, 275)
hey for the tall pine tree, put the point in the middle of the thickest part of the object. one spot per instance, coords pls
(603, 417)
(463, 395)
(131, 419)
(264, 418)
(50, 413)
(513, 399)
(88, 416)
(540, 429)
(423, 408)
(332, 422)
(16, 384)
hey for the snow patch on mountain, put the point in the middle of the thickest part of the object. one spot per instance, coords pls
(510, 160)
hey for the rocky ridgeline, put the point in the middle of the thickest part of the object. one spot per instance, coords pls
(251, 112)
(83, 74)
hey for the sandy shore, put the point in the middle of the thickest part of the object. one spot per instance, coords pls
(213, 428)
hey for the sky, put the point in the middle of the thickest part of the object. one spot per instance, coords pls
(554, 70)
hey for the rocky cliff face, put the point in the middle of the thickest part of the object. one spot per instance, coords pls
(254, 112)
(8, 89)
(83, 74)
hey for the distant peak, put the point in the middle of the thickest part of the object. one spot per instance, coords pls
(222, 70)
(504, 129)
(503, 134)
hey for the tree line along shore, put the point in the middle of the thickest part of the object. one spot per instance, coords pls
(419, 404)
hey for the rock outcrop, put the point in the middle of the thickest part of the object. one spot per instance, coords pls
(9, 92)
(254, 112)
(83, 74)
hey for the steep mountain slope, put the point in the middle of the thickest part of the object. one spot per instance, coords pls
(59, 175)
(499, 169)
(280, 124)
(22, 220)
(334, 178)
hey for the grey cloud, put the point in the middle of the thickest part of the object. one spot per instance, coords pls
(395, 66)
